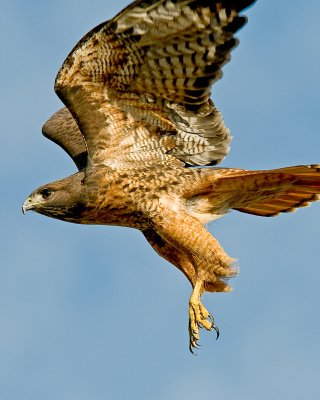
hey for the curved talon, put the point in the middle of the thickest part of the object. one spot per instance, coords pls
(214, 326)
(211, 319)
(193, 340)
(191, 351)
(192, 345)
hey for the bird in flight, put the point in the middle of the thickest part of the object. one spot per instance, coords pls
(138, 118)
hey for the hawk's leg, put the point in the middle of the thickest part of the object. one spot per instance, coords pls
(182, 240)
(199, 316)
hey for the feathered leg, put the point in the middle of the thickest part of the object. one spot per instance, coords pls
(198, 315)
(171, 254)
(190, 247)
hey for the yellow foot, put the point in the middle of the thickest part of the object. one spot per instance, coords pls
(198, 317)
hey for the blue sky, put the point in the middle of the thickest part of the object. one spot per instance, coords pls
(91, 312)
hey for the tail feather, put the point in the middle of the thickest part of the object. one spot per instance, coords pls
(303, 189)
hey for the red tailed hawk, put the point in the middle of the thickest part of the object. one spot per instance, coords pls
(138, 117)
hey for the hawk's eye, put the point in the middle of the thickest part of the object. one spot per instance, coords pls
(46, 193)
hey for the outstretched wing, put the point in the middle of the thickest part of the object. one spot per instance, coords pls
(139, 85)
(62, 129)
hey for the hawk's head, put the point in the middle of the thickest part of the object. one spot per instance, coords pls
(60, 199)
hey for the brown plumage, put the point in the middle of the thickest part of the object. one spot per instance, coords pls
(138, 115)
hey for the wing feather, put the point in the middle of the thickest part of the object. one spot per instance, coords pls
(63, 130)
(139, 85)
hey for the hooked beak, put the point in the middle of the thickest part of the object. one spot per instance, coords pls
(27, 205)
